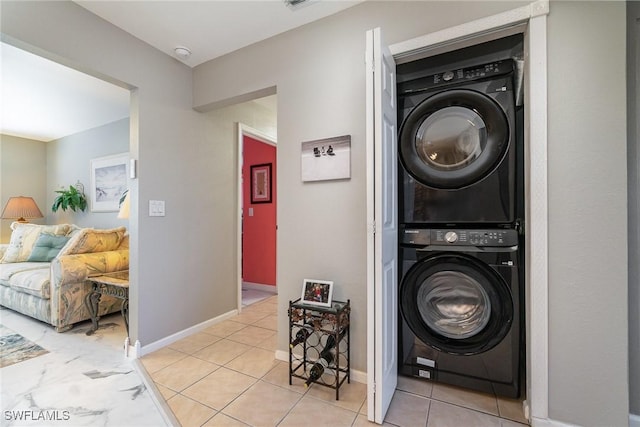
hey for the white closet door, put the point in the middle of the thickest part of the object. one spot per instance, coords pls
(382, 240)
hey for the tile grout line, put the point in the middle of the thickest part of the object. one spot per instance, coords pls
(301, 396)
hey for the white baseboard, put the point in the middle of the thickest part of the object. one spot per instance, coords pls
(540, 422)
(260, 287)
(157, 345)
(526, 409)
(357, 376)
(634, 421)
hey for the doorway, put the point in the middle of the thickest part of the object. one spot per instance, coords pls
(257, 216)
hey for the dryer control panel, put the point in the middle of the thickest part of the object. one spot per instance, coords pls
(459, 237)
(456, 76)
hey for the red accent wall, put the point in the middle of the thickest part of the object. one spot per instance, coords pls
(259, 230)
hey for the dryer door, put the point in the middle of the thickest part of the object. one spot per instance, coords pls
(453, 139)
(456, 304)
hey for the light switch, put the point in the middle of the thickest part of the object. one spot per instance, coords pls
(250, 211)
(132, 168)
(156, 207)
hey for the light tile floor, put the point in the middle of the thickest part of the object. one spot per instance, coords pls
(227, 375)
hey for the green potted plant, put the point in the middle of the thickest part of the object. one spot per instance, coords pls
(69, 199)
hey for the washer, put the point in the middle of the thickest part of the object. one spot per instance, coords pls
(457, 146)
(462, 308)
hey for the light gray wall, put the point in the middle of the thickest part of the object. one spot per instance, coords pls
(319, 73)
(171, 264)
(23, 172)
(223, 140)
(68, 161)
(588, 380)
(633, 93)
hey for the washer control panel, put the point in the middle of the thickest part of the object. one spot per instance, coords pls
(459, 237)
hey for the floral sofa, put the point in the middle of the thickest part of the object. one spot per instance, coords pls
(44, 270)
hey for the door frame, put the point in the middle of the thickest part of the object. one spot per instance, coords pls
(242, 131)
(633, 142)
(531, 20)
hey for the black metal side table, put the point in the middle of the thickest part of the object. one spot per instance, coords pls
(311, 328)
(114, 284)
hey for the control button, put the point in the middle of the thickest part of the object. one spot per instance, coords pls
(448, 75)
(451, 237)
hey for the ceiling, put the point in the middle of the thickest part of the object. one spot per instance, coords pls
(44, 101)
(210, 28)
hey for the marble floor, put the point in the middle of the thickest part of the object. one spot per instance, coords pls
(226, 375)
(81, 381)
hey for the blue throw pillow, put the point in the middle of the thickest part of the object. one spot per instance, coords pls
(47, 247)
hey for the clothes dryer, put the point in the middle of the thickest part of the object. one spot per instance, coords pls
(457, 146)
(462, 308)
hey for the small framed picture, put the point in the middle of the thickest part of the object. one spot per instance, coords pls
(317, 292)
(261, 183)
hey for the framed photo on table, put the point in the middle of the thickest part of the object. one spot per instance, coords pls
(108, 182)
(261, 183)
(317, 292)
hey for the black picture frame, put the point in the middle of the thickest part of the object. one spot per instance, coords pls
(260, 183)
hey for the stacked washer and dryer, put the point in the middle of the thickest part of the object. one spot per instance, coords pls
(461, 215)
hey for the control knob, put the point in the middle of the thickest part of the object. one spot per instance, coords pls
(448, 75)
(451, 237)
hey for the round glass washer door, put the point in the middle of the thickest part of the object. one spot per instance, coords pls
(453, 139)
(456, 304)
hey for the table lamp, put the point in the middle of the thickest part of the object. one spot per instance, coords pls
(21, 207)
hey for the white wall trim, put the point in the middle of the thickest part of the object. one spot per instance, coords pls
(545, 422)
(537, 226)
(157, 345)
(241, 131)
(256, 134)
(469, 33)
(532, 20)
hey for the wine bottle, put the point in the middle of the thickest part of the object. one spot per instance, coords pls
(325, 359)
(301, 336)
(331, 341)
(318, 368)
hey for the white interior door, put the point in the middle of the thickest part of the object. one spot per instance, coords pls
(382, 236)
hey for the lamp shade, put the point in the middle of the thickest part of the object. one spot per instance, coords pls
(20, 208)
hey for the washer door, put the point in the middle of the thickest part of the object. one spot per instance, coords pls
(456, 304)
(453, 139)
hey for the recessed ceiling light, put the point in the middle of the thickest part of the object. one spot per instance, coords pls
(297, 4)
(182, 52)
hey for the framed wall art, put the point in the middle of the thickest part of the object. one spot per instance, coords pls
(261, 183)
(108, 182)
(317, 292)
(326, 159)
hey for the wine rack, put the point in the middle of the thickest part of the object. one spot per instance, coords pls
(322, 326)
